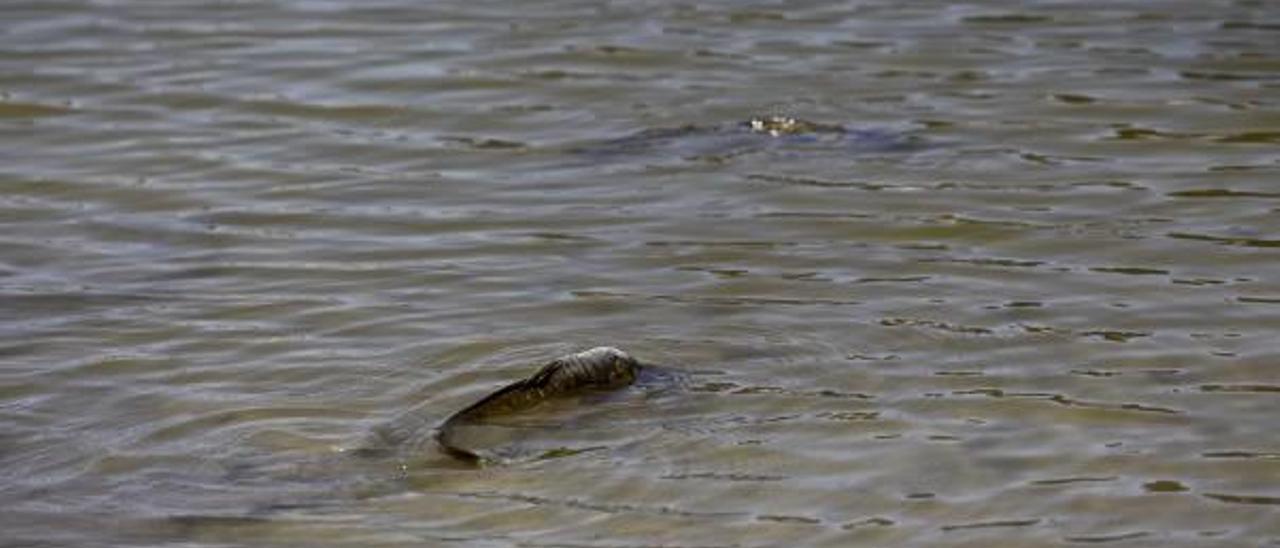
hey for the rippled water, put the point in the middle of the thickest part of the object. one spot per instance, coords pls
(253, 252)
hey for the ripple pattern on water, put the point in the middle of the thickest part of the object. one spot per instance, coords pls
(251, 254)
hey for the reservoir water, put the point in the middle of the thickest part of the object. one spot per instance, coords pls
(251, 253)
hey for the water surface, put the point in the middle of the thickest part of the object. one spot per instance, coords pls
(252, 252)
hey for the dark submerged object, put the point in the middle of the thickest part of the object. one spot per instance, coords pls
(598, 369)
(764, 133)
(776, 126)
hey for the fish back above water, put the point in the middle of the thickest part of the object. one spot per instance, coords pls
(594, 370)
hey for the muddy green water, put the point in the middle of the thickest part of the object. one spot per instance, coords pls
(252, 252)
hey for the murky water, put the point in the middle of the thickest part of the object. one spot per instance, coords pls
(253, 252)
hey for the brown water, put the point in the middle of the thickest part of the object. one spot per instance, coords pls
(252, 252)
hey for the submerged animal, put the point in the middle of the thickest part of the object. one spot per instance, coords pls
(785, 125)
(598, 369)
(772, 133)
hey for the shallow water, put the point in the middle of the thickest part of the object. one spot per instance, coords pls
(252, 252)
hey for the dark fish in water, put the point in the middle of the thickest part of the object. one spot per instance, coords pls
(775, 126)
(776, 133)
(599, 369)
